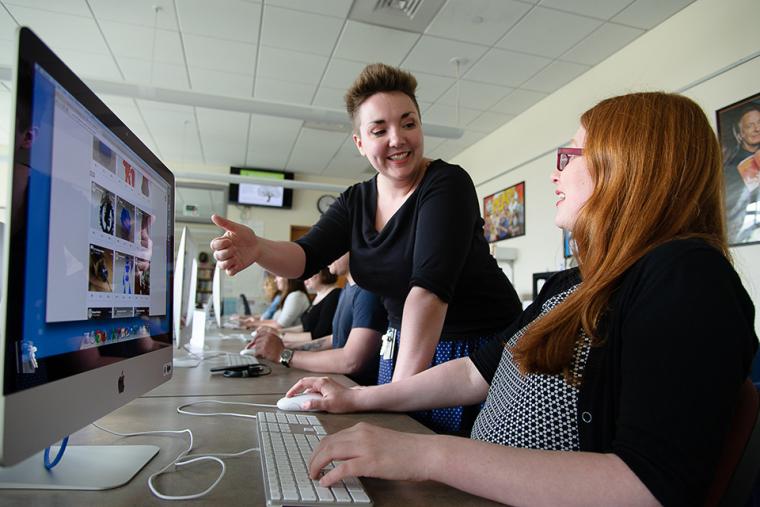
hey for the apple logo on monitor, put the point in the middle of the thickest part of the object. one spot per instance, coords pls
(120, 383)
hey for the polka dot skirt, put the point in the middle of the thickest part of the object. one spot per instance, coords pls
(452, 420)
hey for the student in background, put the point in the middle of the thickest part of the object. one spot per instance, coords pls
(317, 320)
(416, 240)
(632, 362)
(294, 302)
(351, 349)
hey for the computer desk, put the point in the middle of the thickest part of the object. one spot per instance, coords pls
(242, 482)
(198, 381)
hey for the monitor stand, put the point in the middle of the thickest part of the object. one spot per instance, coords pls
(82, 467)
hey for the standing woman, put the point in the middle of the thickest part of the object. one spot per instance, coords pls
(416, 240)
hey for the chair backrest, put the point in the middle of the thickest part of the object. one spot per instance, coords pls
(246, 306)
(739, 462)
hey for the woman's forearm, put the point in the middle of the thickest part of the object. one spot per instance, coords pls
(421, 328)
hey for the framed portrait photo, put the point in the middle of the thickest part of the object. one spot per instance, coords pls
(504, 213)
(739, 135)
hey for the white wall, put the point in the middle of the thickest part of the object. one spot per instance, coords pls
(699, 41)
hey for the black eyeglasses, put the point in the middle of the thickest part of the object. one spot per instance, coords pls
(564, 155)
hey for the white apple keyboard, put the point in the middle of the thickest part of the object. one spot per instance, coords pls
(286, 442)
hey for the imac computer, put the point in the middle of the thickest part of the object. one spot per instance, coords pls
(88, 260)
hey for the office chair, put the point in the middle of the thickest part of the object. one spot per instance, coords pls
(737, 470)
(246, 306)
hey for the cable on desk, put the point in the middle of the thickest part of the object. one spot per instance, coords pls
(181, 408)
(46, 455)
(178, 461)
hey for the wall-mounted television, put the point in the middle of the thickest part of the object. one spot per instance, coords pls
(254, 194)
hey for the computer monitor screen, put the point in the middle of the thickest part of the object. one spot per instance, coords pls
(88, 326)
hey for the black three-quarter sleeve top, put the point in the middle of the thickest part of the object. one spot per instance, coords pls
(660, 390)
(435, 241)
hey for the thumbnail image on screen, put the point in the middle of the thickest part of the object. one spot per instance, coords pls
(103, 155)
(124, 271)
(143, 222)
(125, 214)
(142, 276)
(102, 214)
(101, 269)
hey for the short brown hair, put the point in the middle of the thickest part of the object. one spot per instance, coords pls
(376, 78)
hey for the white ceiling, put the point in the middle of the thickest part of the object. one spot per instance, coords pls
(307, 52)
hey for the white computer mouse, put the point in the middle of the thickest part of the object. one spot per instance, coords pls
(293, 404)
(248, 352)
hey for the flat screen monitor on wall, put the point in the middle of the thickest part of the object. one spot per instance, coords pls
(91, 231)
(254, 194)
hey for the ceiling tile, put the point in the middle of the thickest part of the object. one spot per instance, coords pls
(163, 75)
(341, 73)
(224, 19)
(7, 26)
(314, 149)
(649, 13)
(299, 31)
(430, 87)
(593, 8)
(93, 65)
(518, 101)
(221, 83)
(443, 114)
(138, 42)
(223, 134)
(335, 8)
(478, 21)
(347, 164)
(136, 12)
(555, 76)
(7, 53)
(433, 55)
(62, 30)
(606, 40)
(286, 65)
(446, 151)
(547, 32)
(507, 68)
(75, 7)
(239, 57)
(475, 95)
(431, 143)
(284, 91)
(369, 43)
(489, 121)
(174, 129)
(270, 141)
(331, 98)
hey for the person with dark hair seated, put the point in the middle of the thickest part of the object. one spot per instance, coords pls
(618, 384)
(317, 320)
(352, 347)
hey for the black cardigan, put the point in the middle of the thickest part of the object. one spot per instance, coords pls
(659, 392)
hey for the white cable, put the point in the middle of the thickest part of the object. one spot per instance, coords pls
(181, 410)
(192, 458)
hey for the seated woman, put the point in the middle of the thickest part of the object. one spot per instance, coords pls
(316, 322)
(633, 361)
(351, 349)
(294, 302)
